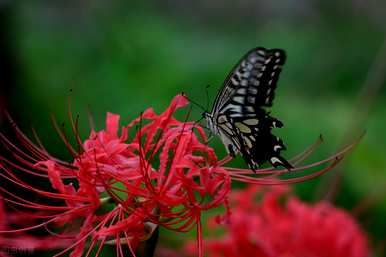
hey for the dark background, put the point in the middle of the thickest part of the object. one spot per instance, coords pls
(126, 56)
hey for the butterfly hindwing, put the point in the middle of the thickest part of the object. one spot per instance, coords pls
(228, 134)
(257, 143)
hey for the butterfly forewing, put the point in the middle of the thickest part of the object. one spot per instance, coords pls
(242, 122)
(253, 80)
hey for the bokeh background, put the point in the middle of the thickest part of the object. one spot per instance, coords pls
(125, 56)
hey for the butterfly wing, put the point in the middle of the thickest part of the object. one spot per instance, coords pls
(257, 143)
(239, 107)
(256, 74)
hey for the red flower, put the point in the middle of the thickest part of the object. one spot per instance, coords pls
(21, 242)
(117, 189)
(271, 228)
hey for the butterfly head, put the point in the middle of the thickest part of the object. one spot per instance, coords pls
(205, 114)
(209, 120)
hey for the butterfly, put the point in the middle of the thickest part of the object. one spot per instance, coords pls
(239, 116)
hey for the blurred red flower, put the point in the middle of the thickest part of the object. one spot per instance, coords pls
(118, 190)
(281, 225)
(21, 242)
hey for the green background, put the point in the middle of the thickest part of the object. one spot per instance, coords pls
(125, 57)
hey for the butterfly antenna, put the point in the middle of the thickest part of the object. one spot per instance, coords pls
(198, 121)
(193, 102)
(207, 96)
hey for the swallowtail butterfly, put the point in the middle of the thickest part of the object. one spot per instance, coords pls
(239, 116)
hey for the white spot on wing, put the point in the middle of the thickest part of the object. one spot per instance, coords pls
(251, 99)
(252, 90)
(242, 91)
(222, 119)
(233, 108)
(276, 147)
(238, 99)
(253, 59)
(251, 121)
(250, 109)
(248, 142)
(225, 128)
(236, 115)
(246, 74)
(234, 82)
(275, 160)
(243, 128)
(261, 52)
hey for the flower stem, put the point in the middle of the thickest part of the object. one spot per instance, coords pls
(147, 248)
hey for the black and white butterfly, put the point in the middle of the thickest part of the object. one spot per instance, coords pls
(239, 116)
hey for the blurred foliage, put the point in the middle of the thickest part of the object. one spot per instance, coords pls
(125, 57)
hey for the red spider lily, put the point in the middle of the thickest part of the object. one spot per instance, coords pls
(20, 242)
(118, 190)
(271, 228)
